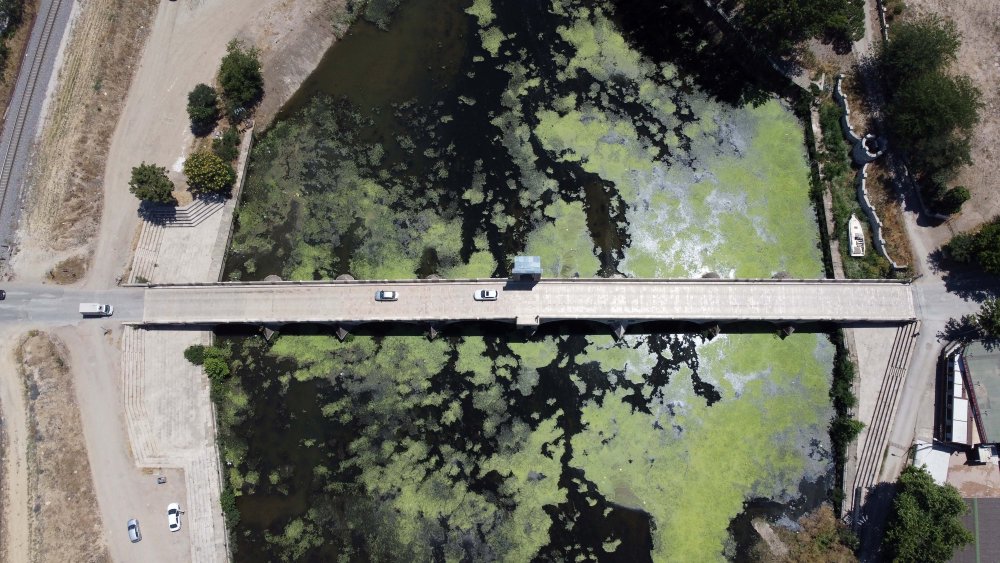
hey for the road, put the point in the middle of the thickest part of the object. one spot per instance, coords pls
(50, 305)
(22, 119)
(424, 301)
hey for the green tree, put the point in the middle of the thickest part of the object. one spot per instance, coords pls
(988, 318)
(924, 524)
(932, 117)
(203, 109)
(207, 172)
(240, 78)
(150, 183)
(919, 46)
(777, 25)
(981, 247)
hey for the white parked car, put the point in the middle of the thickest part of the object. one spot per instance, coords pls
(174, 516)
(133, 531)
(386, 295)
(485, 295)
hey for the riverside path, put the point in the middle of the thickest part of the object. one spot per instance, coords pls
(614, 301)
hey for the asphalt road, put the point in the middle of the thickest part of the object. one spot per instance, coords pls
(23, 117)
(57, 306)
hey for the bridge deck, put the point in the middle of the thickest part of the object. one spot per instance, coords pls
(610, 300)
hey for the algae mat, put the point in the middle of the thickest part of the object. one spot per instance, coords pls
(559, 139)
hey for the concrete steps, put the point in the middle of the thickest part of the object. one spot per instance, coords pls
(190, 215)
(136, 419)
(201, 514)
(146, 253)
(885, 409)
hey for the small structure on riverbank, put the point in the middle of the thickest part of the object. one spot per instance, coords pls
(527, 269)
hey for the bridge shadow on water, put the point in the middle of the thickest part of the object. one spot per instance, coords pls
(515, 334)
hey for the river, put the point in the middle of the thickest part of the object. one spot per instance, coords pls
(460, 137)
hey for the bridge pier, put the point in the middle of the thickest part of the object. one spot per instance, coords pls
(343, 331)
(270, 330)
(432, 332)
(786, 331)
(618, 330)
(528, 324)
(711, 331)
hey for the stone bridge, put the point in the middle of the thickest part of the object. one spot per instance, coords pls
(618, 303)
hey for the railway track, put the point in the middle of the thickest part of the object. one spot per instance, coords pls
(24, 102)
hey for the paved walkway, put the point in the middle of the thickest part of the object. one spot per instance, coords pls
(170, 421)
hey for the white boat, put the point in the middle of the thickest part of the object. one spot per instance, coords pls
(857, 237)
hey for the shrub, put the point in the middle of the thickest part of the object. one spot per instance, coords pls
(150, 183)
(240, 78)
(203, 109)
(207, 172)
(227, 147)
(195, 354)
(216, 368)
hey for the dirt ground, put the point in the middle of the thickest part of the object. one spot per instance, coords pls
(14, 472)
(79, 203)
(979, 57)
(65, 199)
(60, 486)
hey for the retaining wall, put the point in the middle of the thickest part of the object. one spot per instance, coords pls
(861, 155)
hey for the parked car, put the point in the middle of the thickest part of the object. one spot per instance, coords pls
(133, 531)
(485, 295)
(386, 295)
(174, 516)
(3, 295)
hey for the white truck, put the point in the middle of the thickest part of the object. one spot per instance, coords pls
(96, 310)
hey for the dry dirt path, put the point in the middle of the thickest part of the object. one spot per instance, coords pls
(123, 490)
(184, 48)
(14, 473)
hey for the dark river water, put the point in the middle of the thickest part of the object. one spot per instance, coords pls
(446, 145)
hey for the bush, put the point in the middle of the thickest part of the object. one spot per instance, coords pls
(240, 78)
(228, 502)
(216, 369)
(207, 172)
(227, 147)
(195, 354)
(952, 200)
(924, 524)
(150, 183)
(203, 109)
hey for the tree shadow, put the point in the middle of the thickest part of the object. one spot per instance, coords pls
(157, 213)
(965, 280)
(703, 46)
(871, 520)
